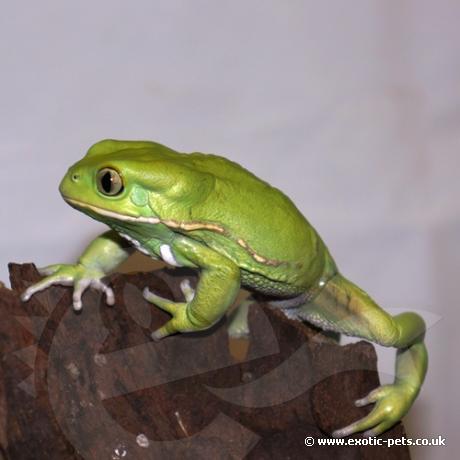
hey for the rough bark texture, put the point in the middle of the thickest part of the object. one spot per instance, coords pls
(94, 386)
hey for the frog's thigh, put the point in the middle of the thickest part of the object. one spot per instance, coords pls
(344, 308)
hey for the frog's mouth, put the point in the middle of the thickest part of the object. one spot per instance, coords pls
(111, 214)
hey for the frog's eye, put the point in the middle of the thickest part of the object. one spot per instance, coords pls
(109, 182)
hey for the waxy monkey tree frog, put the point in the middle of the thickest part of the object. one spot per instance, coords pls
(206, 212)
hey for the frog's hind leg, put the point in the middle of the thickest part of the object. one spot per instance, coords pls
(239, 327)
(343, 307)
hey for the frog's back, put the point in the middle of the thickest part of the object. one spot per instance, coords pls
(220, 203)
(269, 235)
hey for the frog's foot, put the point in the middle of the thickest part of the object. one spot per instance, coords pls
(391, 403)
(180, 322)
(71, 275)
(239, 327)
(187, 290)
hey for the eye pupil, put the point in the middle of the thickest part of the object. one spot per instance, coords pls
(106, 182)
(109, 182)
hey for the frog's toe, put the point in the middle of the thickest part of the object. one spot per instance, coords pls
(43, 284)
(391, 403)
(108, 291)
(238, 330)
(370, 421)
(84, 283)
(80, 287)
(165, 304)
(239, 325)
(187, 290)
(370, 398)
(163, 331)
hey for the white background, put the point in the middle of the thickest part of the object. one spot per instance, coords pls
(351, 108)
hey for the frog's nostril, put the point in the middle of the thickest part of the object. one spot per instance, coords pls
(75, 177)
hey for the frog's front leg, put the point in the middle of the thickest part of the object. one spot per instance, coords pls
(343, 307)
(101, 256)
(217, 288)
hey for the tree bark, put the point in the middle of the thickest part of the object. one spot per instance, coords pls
(93, 385)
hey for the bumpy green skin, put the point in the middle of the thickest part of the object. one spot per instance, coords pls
(206, 212)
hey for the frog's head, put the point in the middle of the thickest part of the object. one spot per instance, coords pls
(134, 181)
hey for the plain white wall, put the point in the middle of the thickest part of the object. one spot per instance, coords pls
(351, 108)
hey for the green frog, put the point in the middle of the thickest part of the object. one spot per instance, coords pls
(209, 213)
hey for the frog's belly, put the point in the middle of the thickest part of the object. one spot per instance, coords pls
(259, 283)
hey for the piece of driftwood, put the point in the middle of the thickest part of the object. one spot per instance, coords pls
(93, 385)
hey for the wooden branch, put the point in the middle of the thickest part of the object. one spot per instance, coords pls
(94, 385)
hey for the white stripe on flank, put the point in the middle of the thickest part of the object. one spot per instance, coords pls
(167, 255)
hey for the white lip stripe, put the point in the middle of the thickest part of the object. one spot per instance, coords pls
(167, 255)
(115, 215)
